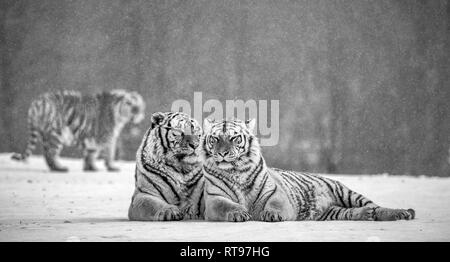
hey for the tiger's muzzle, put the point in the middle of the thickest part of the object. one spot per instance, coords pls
(224, 152)
(188, 145)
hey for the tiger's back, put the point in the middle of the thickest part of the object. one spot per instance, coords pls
(68, 112)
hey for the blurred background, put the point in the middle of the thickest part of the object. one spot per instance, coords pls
(363, 85)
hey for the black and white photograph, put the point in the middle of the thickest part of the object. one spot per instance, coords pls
(243, 121)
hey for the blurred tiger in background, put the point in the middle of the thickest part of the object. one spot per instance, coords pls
(168, 179)
(92, 122)
(240, 187)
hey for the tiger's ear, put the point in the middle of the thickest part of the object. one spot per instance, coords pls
(251, 124)
(207, 125)
(157, 119)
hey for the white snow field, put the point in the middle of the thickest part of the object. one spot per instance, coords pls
(38, 205)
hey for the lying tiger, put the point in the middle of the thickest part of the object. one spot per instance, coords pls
(168, 177)
(92, 122)
(240, 187)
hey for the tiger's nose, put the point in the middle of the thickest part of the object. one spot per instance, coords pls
(223, 154)
(191, 140)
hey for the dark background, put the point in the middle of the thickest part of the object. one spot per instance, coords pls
(363, 85)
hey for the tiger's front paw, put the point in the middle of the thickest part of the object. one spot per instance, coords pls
(190, 211)
(60, 169)
(238, 216)
(169, 214)
(90, 168)
(113, 169)
(271, 216)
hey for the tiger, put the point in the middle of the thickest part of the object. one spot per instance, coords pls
(239, 186)
(90, 122)
(168, 175)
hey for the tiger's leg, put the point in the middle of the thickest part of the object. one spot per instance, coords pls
(390, 214)
(277, 208)
(145, 207)
(52, 148)
(274, 213)
(343, 213)
(110, 152)
(219, 208)
(194, 206)
(350, 199)
(90, 153)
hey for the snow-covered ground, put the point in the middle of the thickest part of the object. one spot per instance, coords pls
(37, 205)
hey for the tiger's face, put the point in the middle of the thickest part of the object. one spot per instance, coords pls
(179, 135)
(229, 144)
(130, 106)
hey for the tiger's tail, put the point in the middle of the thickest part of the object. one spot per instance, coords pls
(32, 138)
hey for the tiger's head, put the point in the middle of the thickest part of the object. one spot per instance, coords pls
(173, 138)
(230, 144)
(127, 106)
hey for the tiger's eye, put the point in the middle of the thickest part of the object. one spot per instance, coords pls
(213, 140)
(176, 133)
(237, 139)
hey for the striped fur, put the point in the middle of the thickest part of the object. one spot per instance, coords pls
(94, 123)
(240, 187)
(168, 177)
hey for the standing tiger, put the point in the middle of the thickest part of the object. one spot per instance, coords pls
(240, 187)
(168, 177)
(94, 123)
